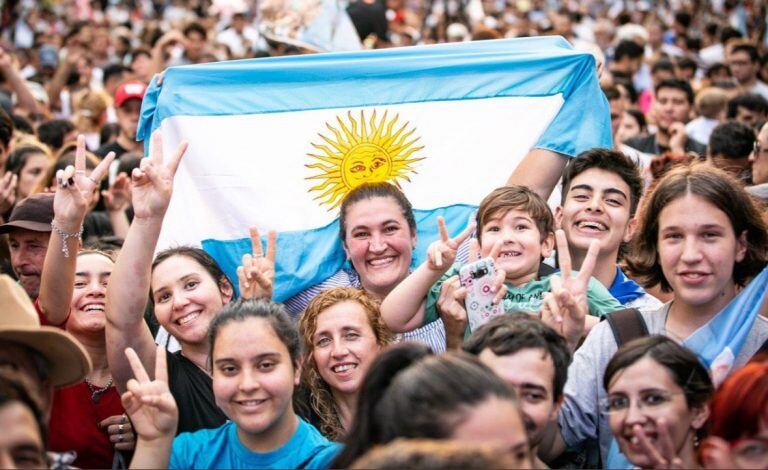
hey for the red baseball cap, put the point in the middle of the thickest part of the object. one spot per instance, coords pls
(129, 90)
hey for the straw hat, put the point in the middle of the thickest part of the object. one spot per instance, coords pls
(19, 323)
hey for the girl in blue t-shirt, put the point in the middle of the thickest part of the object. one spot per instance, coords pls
(255, 359)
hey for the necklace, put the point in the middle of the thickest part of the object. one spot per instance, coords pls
(97, 391)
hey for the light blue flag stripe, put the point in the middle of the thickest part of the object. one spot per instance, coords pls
(297, 267)
(730, 327)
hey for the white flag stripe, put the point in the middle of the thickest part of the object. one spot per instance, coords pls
(214, 193)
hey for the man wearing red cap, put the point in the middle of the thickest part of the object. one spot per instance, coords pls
(127, 106)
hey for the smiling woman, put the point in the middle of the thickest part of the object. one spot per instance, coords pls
(256, 363)
(343, 333)
(378, 231)
(88, 417)
(657, 402)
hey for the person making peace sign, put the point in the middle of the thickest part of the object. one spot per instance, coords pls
(516, 228)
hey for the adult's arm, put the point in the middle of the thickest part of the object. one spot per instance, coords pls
(70, 205)
(24, 98)
(129, 284)
(540, 170)
(59, 79)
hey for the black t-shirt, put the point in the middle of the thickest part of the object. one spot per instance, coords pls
(648, 144)
(192, 389)
(95, 226)
(111, 147)
(369, 18)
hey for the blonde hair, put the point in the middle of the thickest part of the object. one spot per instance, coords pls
(711, 101)
(321, 398)
(90, 110)
(21, 139)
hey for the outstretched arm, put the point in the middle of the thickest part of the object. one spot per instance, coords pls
(540, 170)
(70, 204)
(24, 97)
(130, 281)
(403, 308)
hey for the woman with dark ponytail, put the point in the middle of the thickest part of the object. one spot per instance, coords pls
(409, 393)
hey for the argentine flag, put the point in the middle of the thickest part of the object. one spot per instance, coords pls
(278, 142)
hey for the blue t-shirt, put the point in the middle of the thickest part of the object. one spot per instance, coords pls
(221, 448)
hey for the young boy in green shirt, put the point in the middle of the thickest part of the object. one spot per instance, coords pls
(515, 227)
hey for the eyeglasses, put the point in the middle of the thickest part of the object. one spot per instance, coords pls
(751, 452)
(759, 150)
(648, 400)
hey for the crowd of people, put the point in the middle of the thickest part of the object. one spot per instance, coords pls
(606, 266)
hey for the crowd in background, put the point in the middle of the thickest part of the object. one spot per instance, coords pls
(663, 232)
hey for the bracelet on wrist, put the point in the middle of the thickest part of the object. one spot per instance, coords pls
(66, 236)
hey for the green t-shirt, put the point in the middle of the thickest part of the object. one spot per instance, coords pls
(527, 298)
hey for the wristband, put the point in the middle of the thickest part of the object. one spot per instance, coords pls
(66, 236)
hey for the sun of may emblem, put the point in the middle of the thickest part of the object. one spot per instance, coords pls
(362, 151)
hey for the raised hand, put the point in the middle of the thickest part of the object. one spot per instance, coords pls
(153, 181)
(8, 191)
(661, 453)
(677, 137)
(450, 307)
(442, 253)
(74, 189)
(256, 276)
(118, 196)
(565, 307)
(6, 60)
(716, 453)
(149, 402)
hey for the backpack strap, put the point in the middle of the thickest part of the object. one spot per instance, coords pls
(627, 324)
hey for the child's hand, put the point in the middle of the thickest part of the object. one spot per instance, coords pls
(499, 287)
(565, 307)
(256, 276)
(450, 307)
(442, 253)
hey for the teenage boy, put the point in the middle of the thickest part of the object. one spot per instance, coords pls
(533, 359)
(516, 228)
(600, 192)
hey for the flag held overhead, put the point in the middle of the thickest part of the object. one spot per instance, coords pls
(278, 142)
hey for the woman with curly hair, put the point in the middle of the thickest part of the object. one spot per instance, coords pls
(342, 333)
